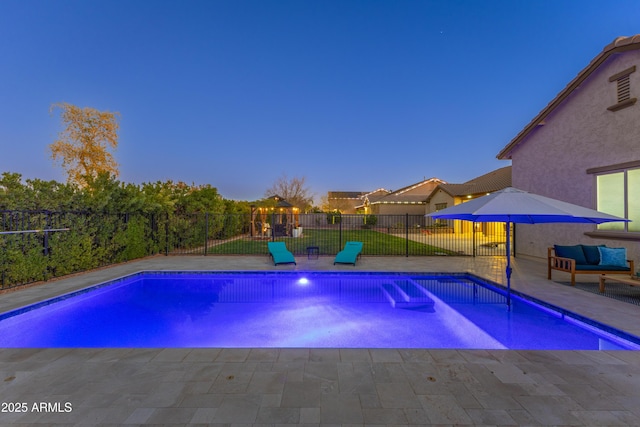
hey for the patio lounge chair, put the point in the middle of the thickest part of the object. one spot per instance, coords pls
(280, 253)
(349, 254)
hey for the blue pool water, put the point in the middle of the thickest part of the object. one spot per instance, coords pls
(292, 309)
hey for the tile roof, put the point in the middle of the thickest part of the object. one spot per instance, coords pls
(620, 44)
(280, 202)
(373, 197)
(400, 196)
(403, 198)
(492, 181)
(487, 183)
(419, 184)
(377, 195)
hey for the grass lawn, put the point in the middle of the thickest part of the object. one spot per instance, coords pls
(329, 243)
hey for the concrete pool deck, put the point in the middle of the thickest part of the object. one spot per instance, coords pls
(326, 387)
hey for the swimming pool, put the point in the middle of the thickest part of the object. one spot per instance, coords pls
(294, 309)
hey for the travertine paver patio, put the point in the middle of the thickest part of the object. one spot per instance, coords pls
(327, 386)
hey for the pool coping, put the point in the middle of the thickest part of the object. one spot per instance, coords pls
(315, 387)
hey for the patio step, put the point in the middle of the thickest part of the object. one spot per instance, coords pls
(406, 294)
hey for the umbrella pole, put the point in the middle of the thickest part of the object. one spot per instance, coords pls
(508, 265)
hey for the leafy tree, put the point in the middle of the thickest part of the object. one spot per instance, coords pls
(51, 196)
(108, 195)
(37, 194)
(293, 191)
(12, 194)
(195, 199)
(158, 197)
(83, 146)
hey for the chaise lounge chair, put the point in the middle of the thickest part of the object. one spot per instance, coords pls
(280, 253)
(349, 254)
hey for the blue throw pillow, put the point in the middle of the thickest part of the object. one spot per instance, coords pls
(613, 256)
(573, 252)
(592, 254)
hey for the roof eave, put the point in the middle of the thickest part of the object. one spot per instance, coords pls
(621, 44)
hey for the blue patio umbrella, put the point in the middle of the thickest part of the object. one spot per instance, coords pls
(511, 205)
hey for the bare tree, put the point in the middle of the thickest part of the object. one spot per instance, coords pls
(293, 191)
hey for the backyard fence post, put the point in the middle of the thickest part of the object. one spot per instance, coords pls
(206, 231)
(513, 240)
(45, 240)
(166, 236)
(340, 233)
(45, 252)
(473, 241)
(273, 227)
(251, 220)
(406, 234)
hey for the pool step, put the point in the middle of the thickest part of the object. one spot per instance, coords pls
(406, 294)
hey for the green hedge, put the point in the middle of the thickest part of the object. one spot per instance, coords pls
(95, 240)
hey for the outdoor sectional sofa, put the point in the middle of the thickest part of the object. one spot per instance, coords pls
(588, 259)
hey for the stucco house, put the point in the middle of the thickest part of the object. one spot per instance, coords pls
(407, 200)
(584, 148)
(345, 201)
(447, 195)
(371, 198)
(353, 202)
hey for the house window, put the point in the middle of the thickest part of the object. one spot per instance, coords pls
(623, 87)
(615, 195)
(439, 207)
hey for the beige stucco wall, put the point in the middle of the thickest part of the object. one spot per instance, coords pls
(439, 197)
(580, 134)
(346, 206)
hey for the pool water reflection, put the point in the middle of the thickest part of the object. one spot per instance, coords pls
(292, 309)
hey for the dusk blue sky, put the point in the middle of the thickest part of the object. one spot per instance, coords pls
(352, 95)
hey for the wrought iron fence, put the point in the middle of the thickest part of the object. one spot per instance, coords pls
(40, 245)
(402, 235)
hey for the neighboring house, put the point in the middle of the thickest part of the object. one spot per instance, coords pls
(345, 201)
(447, 195)
(408, 200)
(584, 148)
(353, 202)
(370, 198)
